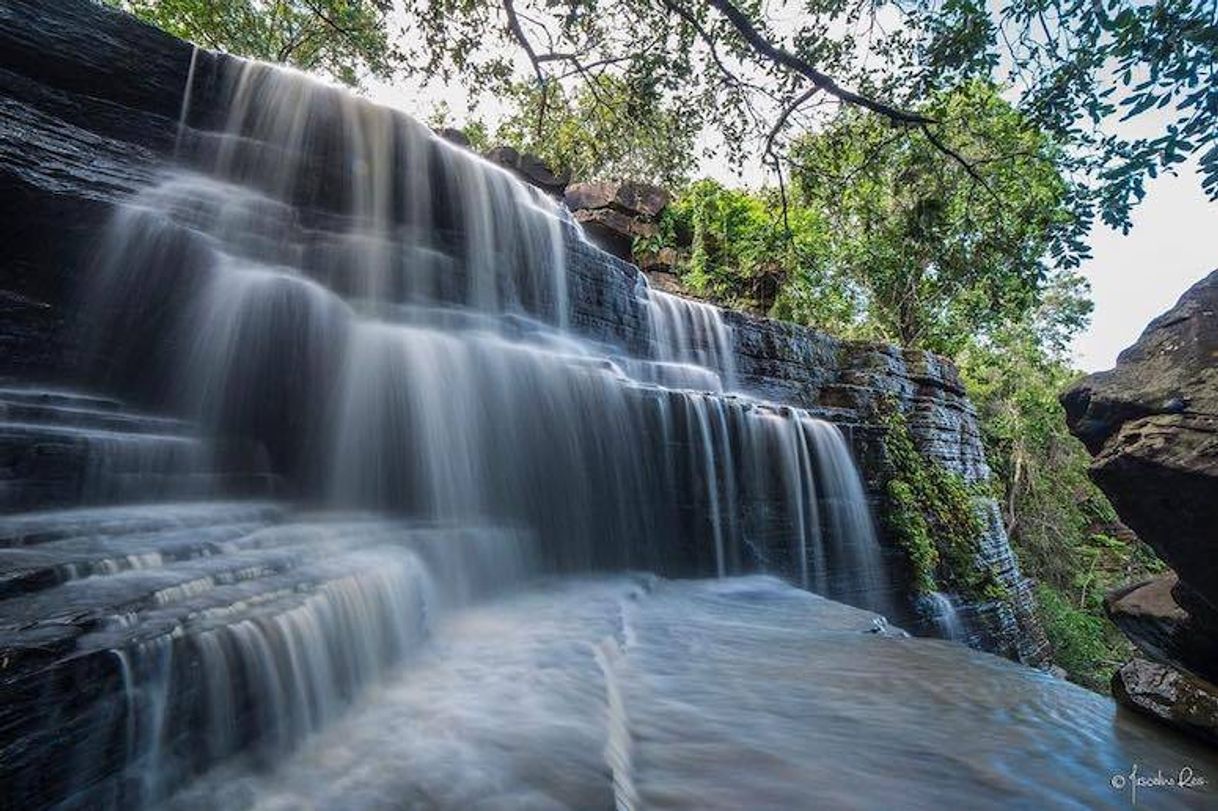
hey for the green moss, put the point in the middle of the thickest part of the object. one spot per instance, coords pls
(908, 525)
(933, 515)
(1084, 644)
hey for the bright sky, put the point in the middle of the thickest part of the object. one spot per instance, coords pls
(1134, 278)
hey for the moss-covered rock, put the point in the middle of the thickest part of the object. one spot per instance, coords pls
(933, 515)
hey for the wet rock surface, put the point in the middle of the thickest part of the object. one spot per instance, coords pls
(1176, 698)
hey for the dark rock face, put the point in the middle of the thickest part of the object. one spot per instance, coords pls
(1152, 425)
(91, 104)
(1149, 615)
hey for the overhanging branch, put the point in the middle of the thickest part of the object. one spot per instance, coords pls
(783, 57)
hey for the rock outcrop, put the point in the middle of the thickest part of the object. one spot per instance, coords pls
(93, 107)
(615, 213)
(1147, 613)
(1162, 692)
(1152, 425)
(529, 168)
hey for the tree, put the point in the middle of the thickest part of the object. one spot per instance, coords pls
(740, 247)
(612, 131)
(753, 72)
(1072, 66)
(341, 38)
(1078, 65)
(935, 253)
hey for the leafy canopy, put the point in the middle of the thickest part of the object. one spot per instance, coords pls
(931, 252)
(737, 249)
(340, 38)
(755, 72)
(752, 71)
(605, 131)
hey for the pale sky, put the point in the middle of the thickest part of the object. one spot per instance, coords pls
(1134, 278)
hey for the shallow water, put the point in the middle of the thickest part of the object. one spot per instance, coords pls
(632, 692)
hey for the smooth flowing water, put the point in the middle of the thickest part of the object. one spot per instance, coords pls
(941, 610)
(382, 331)
(390, 316)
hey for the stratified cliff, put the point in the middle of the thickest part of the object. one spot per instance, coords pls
(93, 106)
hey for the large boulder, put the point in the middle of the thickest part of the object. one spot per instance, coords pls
(1152, 425)
(638, 199)
(1150, 615)
(1173, 697)
(615, 213)
(614, 231)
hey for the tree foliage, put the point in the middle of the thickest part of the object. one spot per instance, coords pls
(754, 72)
(736, 248)
(885, 236)
(932, 252)
(343, 39)
(610, 131)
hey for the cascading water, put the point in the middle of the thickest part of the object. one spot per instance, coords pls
(692, 332)
(389, 317)
(352, 314)
(941, 610)
(388, 314)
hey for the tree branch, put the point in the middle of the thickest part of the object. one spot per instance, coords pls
(769, 152)
(518, 34)
(706, 38)
(783, 57)
(956, 156)
(786, 113)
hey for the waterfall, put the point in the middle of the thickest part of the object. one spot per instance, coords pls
(388, 490)
(941, 610)
(692, 332)
(389, 316)
(391, 322)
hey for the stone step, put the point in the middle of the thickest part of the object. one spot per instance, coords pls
(29, 568)
(175, 635)
(43, 411)
(51, 396)
(99, 523)
(61, 447)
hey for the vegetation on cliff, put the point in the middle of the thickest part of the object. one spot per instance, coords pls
(934, 515)
(1062, 527)
(590, 133)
